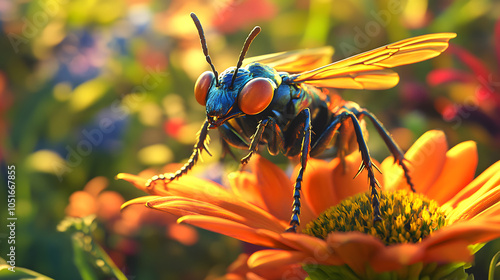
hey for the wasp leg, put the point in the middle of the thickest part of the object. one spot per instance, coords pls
(366, 160)
(257, 138)
(391, 145)
(325, 138)
(230, 138)
(201, 144)
(304, 155)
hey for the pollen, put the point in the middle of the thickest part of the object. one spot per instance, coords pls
(407, 217)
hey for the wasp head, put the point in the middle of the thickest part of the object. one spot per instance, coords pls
(238, 91)
(251, 92)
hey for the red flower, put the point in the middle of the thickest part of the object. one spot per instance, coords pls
(478, 97)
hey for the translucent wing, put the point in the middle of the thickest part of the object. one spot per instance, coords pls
(369, 70)
(295, 61)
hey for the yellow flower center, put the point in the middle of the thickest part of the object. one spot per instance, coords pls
(406, 217)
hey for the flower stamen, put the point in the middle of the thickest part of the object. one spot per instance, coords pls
(406, 217)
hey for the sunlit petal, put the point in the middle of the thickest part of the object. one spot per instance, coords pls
(458, 171)
(266, 259)
(264, 186)
(426, 159)
(231, 228)
(484, 182)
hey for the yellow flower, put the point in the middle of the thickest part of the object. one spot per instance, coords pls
(420, 233)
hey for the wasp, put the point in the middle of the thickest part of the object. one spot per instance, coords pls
(276, 100)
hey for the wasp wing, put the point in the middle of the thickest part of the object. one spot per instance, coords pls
(295, 61)
(369, 70)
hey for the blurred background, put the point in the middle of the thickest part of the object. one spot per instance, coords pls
(89, 89)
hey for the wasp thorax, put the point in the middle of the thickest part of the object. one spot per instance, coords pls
(202, 86)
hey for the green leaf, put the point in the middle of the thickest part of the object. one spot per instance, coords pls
(493, 264)
(8, 272)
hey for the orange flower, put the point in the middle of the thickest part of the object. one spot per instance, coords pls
(450, 212)
(94, 199)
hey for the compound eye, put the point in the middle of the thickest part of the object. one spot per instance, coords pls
(256, 95)
(202, 86)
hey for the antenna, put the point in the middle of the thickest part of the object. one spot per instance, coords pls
(204, 46)
(248, 41)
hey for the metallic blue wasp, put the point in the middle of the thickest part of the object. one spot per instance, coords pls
(274, 101)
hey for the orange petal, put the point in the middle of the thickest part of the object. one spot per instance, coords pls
(492, 211)
(355, 249)
(96, 185)
(490, 178)
(266, 186)
(395, 257)
(476, 204)
(452, 251)
(243, 269)
(315, 247)
(458, 171)
(393, 174)
(343, 177)
(140, 200)
(137, 181)
(250, 216)
(238, 268)
(233, 229)
(188, 186)
(317, 185)
(426, 160)
(471, 231)
(272, 259)
(326, 184)
(184, 234)
(244, 185)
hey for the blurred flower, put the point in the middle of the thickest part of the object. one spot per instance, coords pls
(439, 224)
(6, 101)
(234, 15)
(94, 200)
(106, 205)
(478, 93)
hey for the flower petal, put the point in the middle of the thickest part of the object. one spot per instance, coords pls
(317, 185)
(355, 249)
(241, 270)
(441, 76)
(233, 229)
(395, 257)
(476, 65)
(449, 252)
(197, 189)
(345, 182)
(268, 259)
(458, 171)
(187, 186)
(140, 200)
(243, 213)
(492, 211)
(476, 204)
(488, 179)
(315, 247)
(266, 186)
(426, 160)
(138, 182)
(471, 231)
(325, 184)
